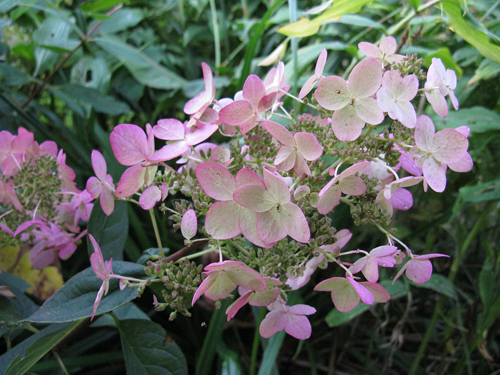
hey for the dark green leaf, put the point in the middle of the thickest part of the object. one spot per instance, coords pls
(99, 5)
(101, 103)
(478, 119)
(23, 304)
(125, 312)
(414, 3)
(151, 253)
(111, 231)
(487, 191)
(23, 356)
(440, 284)
(147, 352)
(12, 76)
(75, 300)
(121, 20)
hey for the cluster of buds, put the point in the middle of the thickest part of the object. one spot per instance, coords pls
(37, 192)
(269, 192)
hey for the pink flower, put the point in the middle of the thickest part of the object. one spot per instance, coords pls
(418, 268)
(223, 277)
(102, 269)
(295, 149)
(180, 138)
(247, 112)
(347, 292)
(385, 53)
(277, 216)
(434, 151)
(289, 318)
(345, 183)
(393, 195)
(12, 148)
(226, 219)
(465, 163)
(394, 97)
(352, 100)
(8, 196)
(102, 185)
(440, 82)
(133, 148)
(197, 105)
(380, 256)
(318, 73)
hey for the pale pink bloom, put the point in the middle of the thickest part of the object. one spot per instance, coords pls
(132, 147)
(385, 54)
(277, 216)
(418, 268)
(247, 112)
(380, 256)
(275, 81)
(352, 100)
(226, 219)
(102, 269)
(434, 151)
(393, 195)
(152, 195)
(318, 73)
(292, 319)
(78, 208)
(345, 183)
(465, 163)
(180, 138)
(408, 164)
(8, 196)
(395, 95)
(301, 192)
(12, 149)
(347, 292)
(197, 105)
(21, 228)
(221, 155)
(295, 149)
(102, 185)
(189, 224)
(66, 174)
(223, 277)
(440, 82)
(342, 237)
(253, 298)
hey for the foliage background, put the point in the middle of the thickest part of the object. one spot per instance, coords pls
(72, 70)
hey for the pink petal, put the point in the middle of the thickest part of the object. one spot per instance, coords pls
(435, 174)
(328, 199)
(449, 146)
(129, 144)
(274, 322)
(424, 133)
(308, 146)
(366, 78)
(220, 154)
(344, 295)
(363, 293)
(267, 102)
(150, 197)
(285, 158)
(368, 110)
(197, 135)
(463, 165)
(189, 224)
(294, 222)
(301, 167)
(269, 226)
(99, 165)
(279, 132)
(217, 182)
(320, 64)
(236, 113)
(131, 181)
(333, 93)
(346, 124)
(276, 187)
(248, 225)
(388, 45)
(221, 221)
(246, 176)
(438, 102)
(352, 185)
(408, 88)
(169, 129)
(107, 201)
(401, 199)
(94, 187)
(207, 283)
(170, 151)
(298, 326)
(370, 270)
(221, 286)
(369, 49)
(233, 308)
(253, 90)
(419, 270)
(308, 86)
(302, 310)
(380, 294)
(254, 198)
(247, 277)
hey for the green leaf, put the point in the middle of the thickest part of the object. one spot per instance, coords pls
(336, 318)
(75, 300)
(99, 5)
(121, 20)
(128, 311)
(23, 356)
(110, 232)
(151, 253)
(230, 361)
(484, 192)
(306, 27)
(146, 350)
(478, 119)
(486, 70)
(361, 21)
(471, 35)
(448, 61)
(23, 304)
(440, 284)
(414, 3)
(271, 353)
(144, 70)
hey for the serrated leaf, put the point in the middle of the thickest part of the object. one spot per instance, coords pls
(478, 119)
(146, 350)
(75, 300)
(471, 35)
(440, 284)
(22, 357)
(110, 232)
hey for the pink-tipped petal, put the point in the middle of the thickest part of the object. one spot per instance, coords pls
(269, 226)
(346, 124)
(333, 93)
(189, 224)
(308, 146)
(129, 144)
(294, 222)
(215, 179)
(131, 181)
(221, 221)
(254, 197)
(279, 132)
(366, 78)
(169, 129)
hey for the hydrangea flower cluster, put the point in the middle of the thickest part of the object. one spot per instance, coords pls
(40, 205)
(262, 202)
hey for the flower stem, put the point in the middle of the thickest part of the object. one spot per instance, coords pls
(157, 233)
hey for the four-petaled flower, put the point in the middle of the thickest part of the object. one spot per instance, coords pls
(385, 54)
(418, 268)
(440, 82)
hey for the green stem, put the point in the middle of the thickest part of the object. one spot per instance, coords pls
(292, 9)
(215, 23)
(240, 248)
(60, 362)
(199, 254)
(256, 340)
(393, 30)
(157, 233)
(457, 261)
